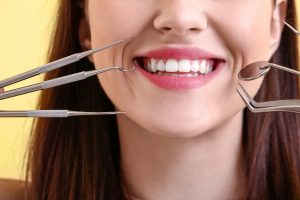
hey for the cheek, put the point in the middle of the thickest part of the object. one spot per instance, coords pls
(246, 35)
(113, 20)
(246, 30)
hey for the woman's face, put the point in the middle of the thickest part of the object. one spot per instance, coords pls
(187, 55)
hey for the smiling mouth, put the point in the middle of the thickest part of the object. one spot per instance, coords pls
(175, 67)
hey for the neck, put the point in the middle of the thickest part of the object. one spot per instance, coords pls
(204, 167)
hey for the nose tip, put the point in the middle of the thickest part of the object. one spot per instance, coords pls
(178, 29)
(180, 21)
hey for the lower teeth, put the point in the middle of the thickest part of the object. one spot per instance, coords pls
(178, 75)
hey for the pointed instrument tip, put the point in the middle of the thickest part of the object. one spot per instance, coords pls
(80, 113)
(92, 51)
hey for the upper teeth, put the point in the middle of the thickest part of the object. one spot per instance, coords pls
(171, 65)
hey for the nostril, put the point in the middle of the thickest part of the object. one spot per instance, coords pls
(166, 29)
(194, 29)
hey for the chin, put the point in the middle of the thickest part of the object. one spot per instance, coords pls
(180, 130)
(183, 134)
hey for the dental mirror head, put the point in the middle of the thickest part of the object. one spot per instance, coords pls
(254, 71)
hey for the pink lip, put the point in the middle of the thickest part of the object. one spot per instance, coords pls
(181, 83)
(180, 53)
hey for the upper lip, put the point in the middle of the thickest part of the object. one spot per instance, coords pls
(190, 53)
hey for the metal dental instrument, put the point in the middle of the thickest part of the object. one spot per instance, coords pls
(292, 28)
(52, 113)
(259, 69)
(56, 82)
(291, 105)
(56, 64)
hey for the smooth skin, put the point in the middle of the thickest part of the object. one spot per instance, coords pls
(182, 144)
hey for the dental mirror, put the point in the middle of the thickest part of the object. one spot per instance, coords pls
(254, 71)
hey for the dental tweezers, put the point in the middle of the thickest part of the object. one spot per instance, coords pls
(259, 69)
(56, 82)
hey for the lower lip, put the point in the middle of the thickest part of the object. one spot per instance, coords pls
(181, 83)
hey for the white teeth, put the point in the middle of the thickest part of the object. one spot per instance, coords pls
(171, 65)
(209, 67)
(184, 65)
(153, 64)
(161, 66)
(195, 66)
(178, 75)
(202, 66)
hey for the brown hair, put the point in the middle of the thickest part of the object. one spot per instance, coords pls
(78, 158)
(271, 140)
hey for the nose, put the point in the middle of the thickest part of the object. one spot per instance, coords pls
(180, 17)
